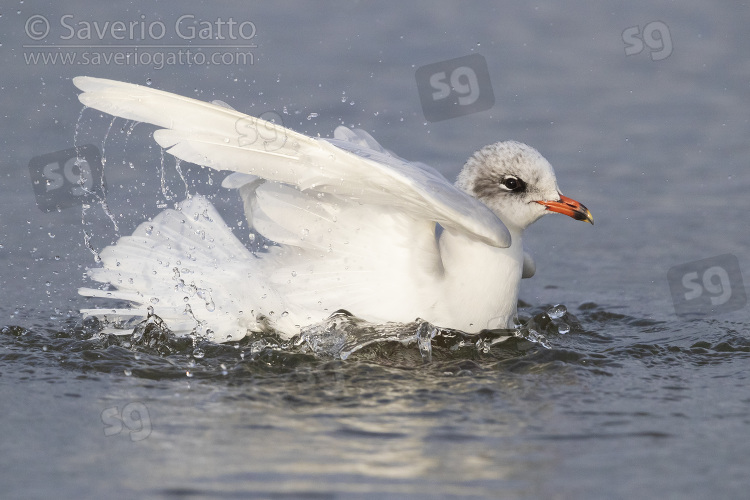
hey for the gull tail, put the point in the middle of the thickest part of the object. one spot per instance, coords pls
(190, 268)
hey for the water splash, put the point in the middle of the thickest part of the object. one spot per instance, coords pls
(206, 296)
(165, 191)
(556, 314)
(152, 332)
(77, 128)
(87, 235)
(178, 167)
(557, 311)
(425, 333)
(128, 129)
(103, 199)
(342, 334)
(82, 183)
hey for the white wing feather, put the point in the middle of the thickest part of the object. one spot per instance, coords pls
(224, 139)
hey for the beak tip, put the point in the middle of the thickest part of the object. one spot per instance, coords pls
(570, 207)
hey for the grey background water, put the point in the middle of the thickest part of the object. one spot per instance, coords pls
(636, 402)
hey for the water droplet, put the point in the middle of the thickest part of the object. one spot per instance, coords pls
(557, 311)
(189, 374)
(483, 346)
(198, 353)
(149, 81)
(312, 115)
(127, 372)
(425, 333)
(206, 296)
(563, 328)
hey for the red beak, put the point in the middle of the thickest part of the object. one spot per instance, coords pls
(570, 207)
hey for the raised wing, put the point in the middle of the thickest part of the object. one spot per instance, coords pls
(224, 139)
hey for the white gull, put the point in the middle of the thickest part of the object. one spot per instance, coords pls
(355, 227)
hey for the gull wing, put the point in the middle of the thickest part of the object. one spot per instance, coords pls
(351, 167)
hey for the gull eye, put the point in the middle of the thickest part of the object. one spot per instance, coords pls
(513, 184)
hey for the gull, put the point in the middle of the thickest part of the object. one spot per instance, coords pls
(351, 226)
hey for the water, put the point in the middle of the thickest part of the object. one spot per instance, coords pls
(603, 393)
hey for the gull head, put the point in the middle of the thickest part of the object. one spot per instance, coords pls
(518, 184)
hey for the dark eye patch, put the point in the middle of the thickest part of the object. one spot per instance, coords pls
(513, 184)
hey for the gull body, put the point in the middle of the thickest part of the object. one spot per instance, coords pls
(354, 227)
